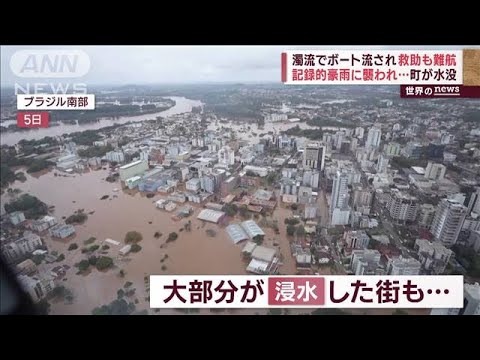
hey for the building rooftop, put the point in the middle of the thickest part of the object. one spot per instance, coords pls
(252, 228)
(418, 169)
(473, 290)
(193, 181)
(236, 233)
(134, 178)
(228, 199)
(263, 194)
(405, 262)
(126, 166)
(249, 247)
(263, 253)
(16, 213)
(210, 215)
(257, 266)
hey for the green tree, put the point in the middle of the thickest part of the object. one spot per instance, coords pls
(243, 211)
(172, 236)
(133, 237)
(291, 221)
(116, 307)
(104, 263)
(93, 248)
(59, 291)
(90, 240)
(6, 175)
(37, 259)
(83, 265)
(290, 230)
(120, 293)
(230, 209)
(72, 246)
(271, 178)
(135, 248)
(258, 239)
(38, 165)
(79, 218)
(32, 207)
(300, 231)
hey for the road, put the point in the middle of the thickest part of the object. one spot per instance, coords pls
(390, 231)
(322, 201)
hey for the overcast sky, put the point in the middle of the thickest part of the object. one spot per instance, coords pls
(119, 65)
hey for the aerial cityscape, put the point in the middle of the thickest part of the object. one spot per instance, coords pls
(240, 178)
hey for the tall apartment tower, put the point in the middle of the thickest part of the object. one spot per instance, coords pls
(339, 191)
(373, 138)
(448, 221)
(314, 156)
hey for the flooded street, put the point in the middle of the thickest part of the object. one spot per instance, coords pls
(182, 105)
(192, 253)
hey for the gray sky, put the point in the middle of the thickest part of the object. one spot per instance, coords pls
(118, 65)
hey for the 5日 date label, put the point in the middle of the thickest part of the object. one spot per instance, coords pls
(33, 119)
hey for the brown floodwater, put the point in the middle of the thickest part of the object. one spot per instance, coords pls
(192, 253)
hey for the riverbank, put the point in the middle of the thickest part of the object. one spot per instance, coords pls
(182, 105)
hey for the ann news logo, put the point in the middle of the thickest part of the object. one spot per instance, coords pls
(50, 64)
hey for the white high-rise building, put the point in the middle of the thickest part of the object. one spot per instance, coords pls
(382, 164)
(353, 144)
(435, 171)
(426, 214)
(339, 136)
(373, 138)
(226, 156)
(402, 207)
(359, 132)
(340, 216)
(365, 262)
(474, 202)
(116, 156)
(403, 266)
(471, 302)
(339, 191)
(311, 179)
(144, 155)
(448, 221)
